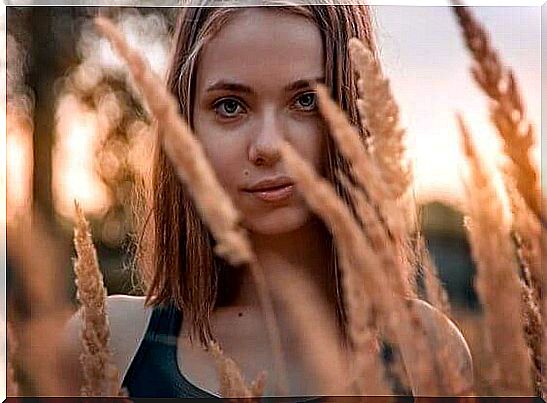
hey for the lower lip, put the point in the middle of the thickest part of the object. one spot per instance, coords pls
(275, 194)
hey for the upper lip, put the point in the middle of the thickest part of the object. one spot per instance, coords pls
(270, 183)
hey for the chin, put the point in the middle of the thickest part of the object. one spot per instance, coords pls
(280, 221)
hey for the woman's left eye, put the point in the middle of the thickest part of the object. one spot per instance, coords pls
(306, 101)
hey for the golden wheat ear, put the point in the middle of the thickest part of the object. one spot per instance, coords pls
(373, 169)
(368, 280)
(100, 373)
(186, 153)
(496, 279)
(232, 382)
(379, 114)
(360, 280)
(507, 112)
(526, 236)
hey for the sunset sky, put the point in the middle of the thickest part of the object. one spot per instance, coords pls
(425, 58)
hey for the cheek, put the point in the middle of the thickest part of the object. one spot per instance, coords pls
(224, 154)
(310, 140)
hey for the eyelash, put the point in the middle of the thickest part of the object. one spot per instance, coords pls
(314, 100)
(218, 104)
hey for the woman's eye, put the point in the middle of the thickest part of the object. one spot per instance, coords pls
(306, 101)
(228, 108)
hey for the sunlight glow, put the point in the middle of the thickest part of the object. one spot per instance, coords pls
(18, 163)
(74, 177)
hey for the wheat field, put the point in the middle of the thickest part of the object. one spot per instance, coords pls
(380, 246)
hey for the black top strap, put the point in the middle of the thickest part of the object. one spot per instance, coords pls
(154, 371)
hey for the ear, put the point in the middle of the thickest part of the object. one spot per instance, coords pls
(449, 347)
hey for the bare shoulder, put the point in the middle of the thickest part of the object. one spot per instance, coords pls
(442, 333)
(128, 318)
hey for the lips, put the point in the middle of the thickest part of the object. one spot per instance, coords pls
(272, 189)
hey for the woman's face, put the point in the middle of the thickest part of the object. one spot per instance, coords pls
(254, 90)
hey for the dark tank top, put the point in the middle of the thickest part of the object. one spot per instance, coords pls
(154, 371)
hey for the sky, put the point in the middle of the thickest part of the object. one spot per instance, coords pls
(424, 56)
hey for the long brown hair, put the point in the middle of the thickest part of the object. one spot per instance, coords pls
(179, 264)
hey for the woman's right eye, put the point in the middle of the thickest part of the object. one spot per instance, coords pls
(228, 108)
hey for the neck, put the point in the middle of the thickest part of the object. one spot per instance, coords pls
(305, 251)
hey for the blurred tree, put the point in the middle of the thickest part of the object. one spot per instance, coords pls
(51, 36)
(52, 49)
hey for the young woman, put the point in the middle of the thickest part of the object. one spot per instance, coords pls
(245, 80)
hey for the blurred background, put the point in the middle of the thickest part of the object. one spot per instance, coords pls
(75, 128)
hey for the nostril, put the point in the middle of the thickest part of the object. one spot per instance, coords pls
(262, 154)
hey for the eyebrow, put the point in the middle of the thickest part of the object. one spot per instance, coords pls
(237, 87)
(304, 83)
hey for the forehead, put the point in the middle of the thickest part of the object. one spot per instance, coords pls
(257, 44)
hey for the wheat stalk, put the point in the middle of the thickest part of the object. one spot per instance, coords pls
(384, 239)
(533, 333)
(496, 278)
(506, 109)
(193, 169)
(543, 309)
(349, 239)
(378, 236)
(387, 215)
(186, 153)
(528, 255)
(435, 293)
(518, 135)
(318, 339)
(379, 113)
(397, 315)
(100, 373)
(12, 386)
(373, 193)
(367, 174)
(232, 382)
(363, 329)
(527, 231)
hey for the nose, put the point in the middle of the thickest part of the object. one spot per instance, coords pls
(265, 146)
